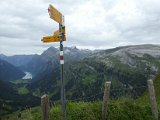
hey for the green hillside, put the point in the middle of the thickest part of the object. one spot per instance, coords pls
(145, 98)
(127, 69)
(157, 89)
(124, 109)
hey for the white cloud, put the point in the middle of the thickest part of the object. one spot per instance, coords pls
(89, 24)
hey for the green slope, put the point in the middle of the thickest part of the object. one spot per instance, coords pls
(125, 109)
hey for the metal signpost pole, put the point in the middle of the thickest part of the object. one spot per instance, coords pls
(58, 36)
(63, 102)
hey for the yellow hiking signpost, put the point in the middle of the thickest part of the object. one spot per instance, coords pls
(54, 38)
(59, 36)
(50, 39)
(55, 14)
(63, 31)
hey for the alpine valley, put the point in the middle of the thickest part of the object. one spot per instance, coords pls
(85, 74)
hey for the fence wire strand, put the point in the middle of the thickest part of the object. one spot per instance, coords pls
(112, 91)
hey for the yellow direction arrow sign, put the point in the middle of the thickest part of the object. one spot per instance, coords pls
(56, 33)
(54, 38)
(63, 31)
(55, 14)
(50, 39)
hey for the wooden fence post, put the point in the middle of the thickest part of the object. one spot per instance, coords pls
(153, 99)
(105, 99)
(45, 107)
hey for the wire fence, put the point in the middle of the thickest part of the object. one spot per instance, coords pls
(115, 93)
(132, 92)
(88, 98)
(84, 102)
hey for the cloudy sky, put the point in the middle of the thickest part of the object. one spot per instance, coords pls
(91, 24)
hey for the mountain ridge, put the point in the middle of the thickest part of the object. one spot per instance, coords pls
(85, 71)
(96, 68)
(39, 63)
(17, 60)
(9, 72)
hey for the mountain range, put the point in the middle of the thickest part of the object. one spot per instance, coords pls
(128, 66)
(38, 63)
(9, 72)
(86, 71)
(13, 68)
(17, 60)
